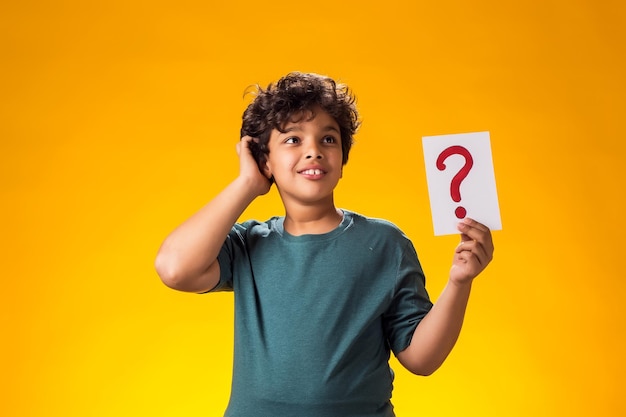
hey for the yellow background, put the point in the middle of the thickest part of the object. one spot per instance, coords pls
(119, 119)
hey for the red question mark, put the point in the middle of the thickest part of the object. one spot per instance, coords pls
(455, 185)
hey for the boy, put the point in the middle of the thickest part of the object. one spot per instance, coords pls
(322, 295)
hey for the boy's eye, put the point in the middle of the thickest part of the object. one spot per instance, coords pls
(329, 139)
(292, 140)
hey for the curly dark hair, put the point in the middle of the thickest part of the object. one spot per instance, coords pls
(297, 92)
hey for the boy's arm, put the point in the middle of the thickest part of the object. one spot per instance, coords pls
(439, 330)
(187, 259)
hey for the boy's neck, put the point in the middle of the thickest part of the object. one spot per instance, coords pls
(312, 220)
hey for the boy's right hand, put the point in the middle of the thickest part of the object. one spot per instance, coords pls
(249, 170)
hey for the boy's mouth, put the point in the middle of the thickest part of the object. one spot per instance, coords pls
(312, 172)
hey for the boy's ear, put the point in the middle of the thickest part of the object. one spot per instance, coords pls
(260, 157)
(265, 169)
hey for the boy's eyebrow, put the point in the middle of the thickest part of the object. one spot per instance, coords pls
(296, 128)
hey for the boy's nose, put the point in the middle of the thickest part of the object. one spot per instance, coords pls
(313, 151)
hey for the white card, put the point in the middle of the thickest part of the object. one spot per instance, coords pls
(461, 181)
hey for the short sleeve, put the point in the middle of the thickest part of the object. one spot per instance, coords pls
(410, 301)
(233, 248)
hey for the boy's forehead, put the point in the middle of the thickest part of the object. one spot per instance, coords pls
(299, 117)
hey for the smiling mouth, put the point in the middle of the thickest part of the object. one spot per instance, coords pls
(312, 172)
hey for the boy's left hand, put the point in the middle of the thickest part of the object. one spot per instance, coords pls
(474, 252)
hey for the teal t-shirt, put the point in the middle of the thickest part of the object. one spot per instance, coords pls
(317, 315)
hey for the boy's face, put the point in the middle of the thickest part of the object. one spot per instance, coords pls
(306, 160)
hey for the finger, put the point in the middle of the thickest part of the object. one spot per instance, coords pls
(484, 251)
(468, 257)
(244, 143)
(480, 245)
(471, 224)
(465, 238)
(472, 246)
(473, 230)
(463, 245)
(248, 139)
